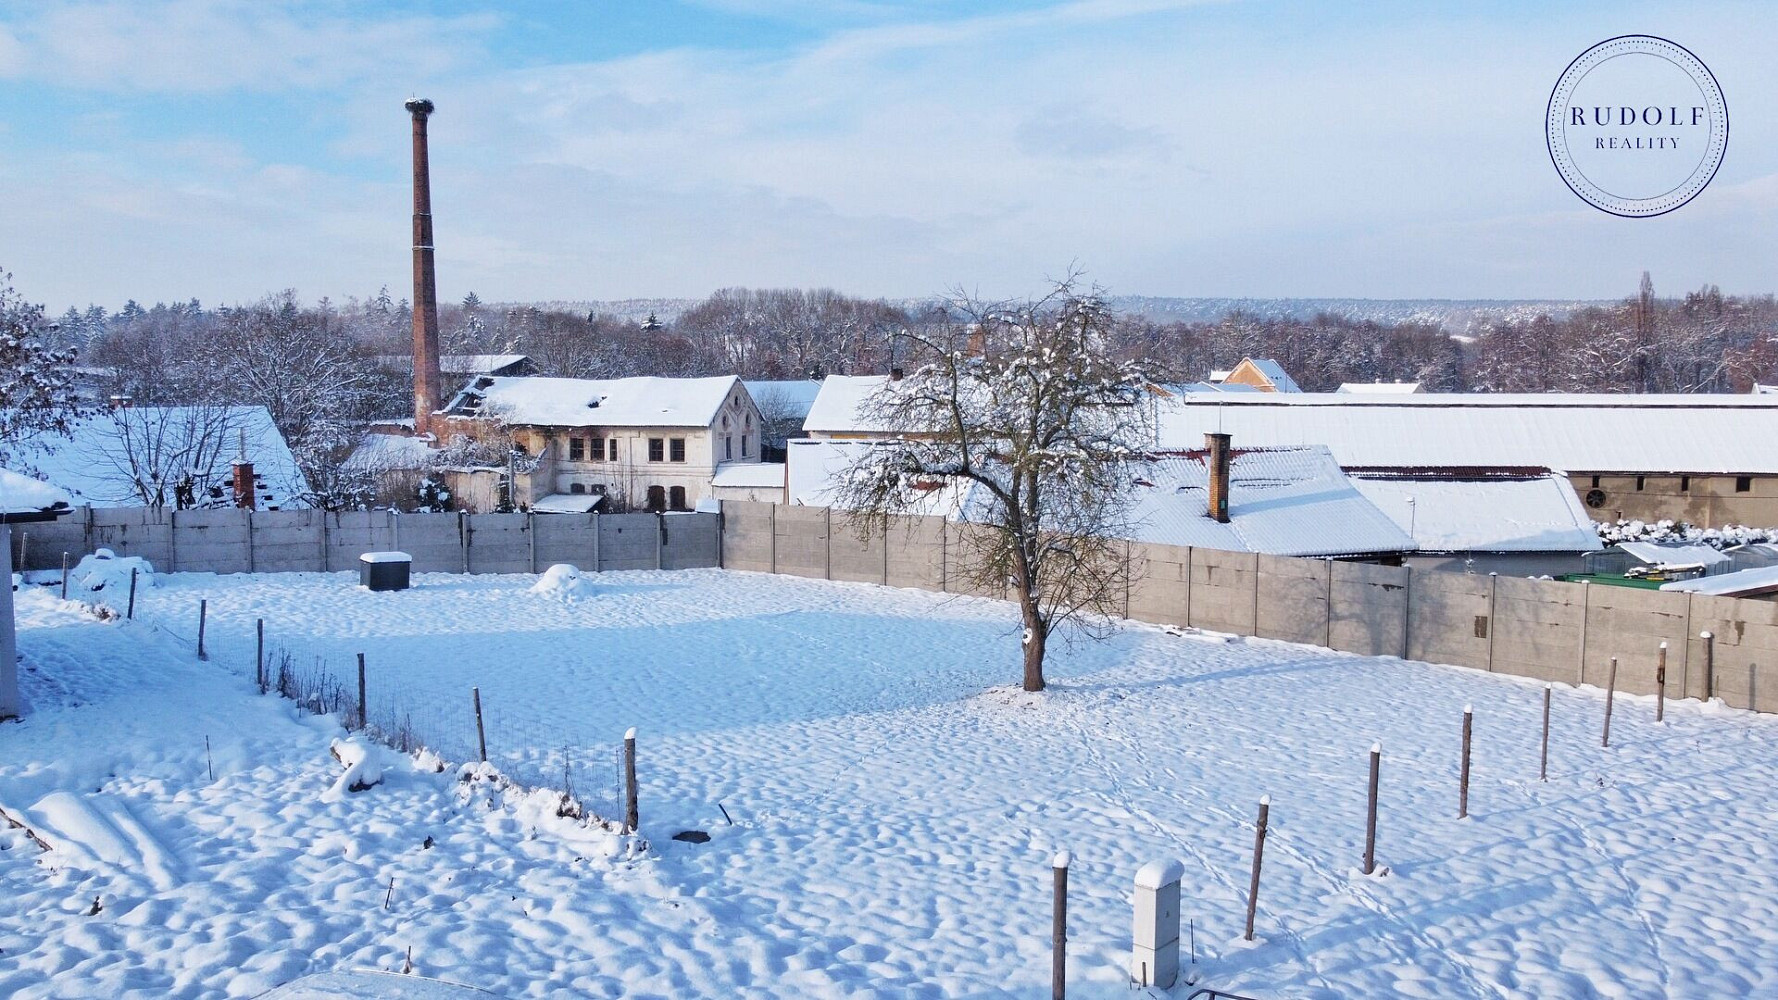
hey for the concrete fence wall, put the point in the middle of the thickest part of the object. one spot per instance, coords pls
(297, 541)
(1530, 628)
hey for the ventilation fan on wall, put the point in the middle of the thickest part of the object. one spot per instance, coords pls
(1595, 498)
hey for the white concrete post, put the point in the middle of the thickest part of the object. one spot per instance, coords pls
(9, 653)
(1154, 960)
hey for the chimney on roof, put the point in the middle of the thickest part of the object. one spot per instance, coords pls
(426, 374)
(1218, 459)
(243, 485)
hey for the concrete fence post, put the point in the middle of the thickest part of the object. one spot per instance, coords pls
(887, 522)
(326, 562)
(597, 566)
(1407, 613)
(1256, 558)
(531, 537)
(1709, 664)
(1154, 955)
(827, 542)
(660, 532)
(772, 533)
(1685, 648)
(1493, 625)
(1586, 612)
(1327, 627)
(172, 544)
(944, 556)
(1190, 556)
(463, 541)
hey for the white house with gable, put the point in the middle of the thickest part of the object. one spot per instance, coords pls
(653, 444)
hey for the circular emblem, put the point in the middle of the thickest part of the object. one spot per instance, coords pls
(1637, 126)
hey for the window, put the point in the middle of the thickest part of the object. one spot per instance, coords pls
(1685, 484)
(676, 451)
(743, 446)
(676, 498)
(1595, 482)
(728, 447)
(611, 452)
(657, 450)
(596, 449)
(577, 488)
(1639, 484)
(576, 450)
(657, 499)
(1743, 484)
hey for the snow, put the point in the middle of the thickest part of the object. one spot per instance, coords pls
(622, 402)
(566, 582)
(375, 985)
(1737, 584)
(1156, 874)
(1700, 434)
(1380, 388)
(1657, 554)
(757, 475)
(386, 557)
(108, 574)
(1485, 513)
(836, 409)
(25, 495)
(567, 503)
(390, 453)
(895, 813)
(90, 465)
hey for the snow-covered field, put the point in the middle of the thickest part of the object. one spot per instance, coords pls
(894, 812)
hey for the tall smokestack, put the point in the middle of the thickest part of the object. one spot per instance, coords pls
(1218, 447)
(426, 375)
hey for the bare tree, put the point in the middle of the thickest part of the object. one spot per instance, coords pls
(1023, 408)
(170, 455)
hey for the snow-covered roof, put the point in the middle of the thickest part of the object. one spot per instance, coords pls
(567, 503)
(1741, 583)
(1282, 501)
(1485, 513)
(836, 406)
(21, 494)
(458, 364)
(793, 396)
(389, 453)
(757, 475)
(1705, 434)
(1275, 374)
(1180, 388)
(582, 402)
(1380, 388)
(1658, 554)
(92, 464)
(814, 467)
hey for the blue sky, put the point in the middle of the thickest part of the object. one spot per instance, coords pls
(611, 150)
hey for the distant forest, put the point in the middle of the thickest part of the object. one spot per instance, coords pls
(316, 365)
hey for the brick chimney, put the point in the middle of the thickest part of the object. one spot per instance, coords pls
(243, 485)
(1217, 445)
(426, 375)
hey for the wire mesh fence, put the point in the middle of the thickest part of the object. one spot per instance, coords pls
(411, 717)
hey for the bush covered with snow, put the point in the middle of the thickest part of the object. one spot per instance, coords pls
(105, 574)
(564, 581)
(1725, 537)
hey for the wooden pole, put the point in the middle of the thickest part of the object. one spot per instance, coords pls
(1259, 854)
(481, 734)
(64, 576)
(1059, 928)
(1661, 683)
(632, 811)
(1370, 823)
(1463, 778)
(1709, 664)
(203, 618)
(363, 707)
(259, 653)
(131, 613)
(1543, 761)
(1610, 693)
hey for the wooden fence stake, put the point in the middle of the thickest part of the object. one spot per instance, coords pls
(1661, 684)
(1543, 761)
(131, 613)
(363, 708)
(1259, 854)
(1059, 928)
(481, 735)
(1709, 664)
(259, 653)
(1610, 693)
(203, 618)
(1370, 823)
(1463, 778)
(64, 576)
(632, 811)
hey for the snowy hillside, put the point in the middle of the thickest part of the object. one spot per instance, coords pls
(894, 812)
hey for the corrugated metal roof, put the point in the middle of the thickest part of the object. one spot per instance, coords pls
(1485, 514)
(1657, 554)
(1763, 580)
(1580, 433)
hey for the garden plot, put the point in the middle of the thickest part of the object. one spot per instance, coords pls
(894, 811)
